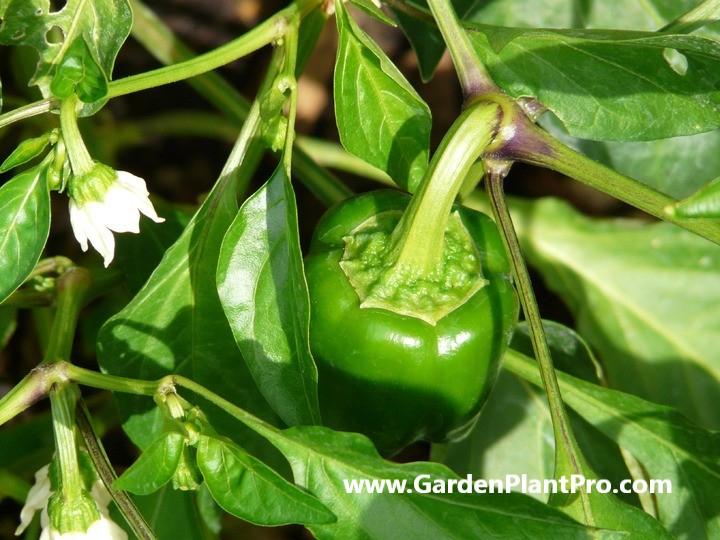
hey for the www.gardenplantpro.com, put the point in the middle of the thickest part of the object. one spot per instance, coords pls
(360, 269)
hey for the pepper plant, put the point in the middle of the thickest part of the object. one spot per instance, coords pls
(256, 384)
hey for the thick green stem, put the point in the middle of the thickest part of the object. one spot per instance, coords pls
(533, 145)
(702, 14)
(130, 511)
(80, 159)
(63, 399)
(474, 79)
(418, 239)
(566, 448)
(71, 288)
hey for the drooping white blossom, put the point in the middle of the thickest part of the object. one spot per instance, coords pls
(38, 498)
(106, 201)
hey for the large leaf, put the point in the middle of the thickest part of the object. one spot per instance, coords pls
(263, 292)
(24, 226)
(172, 514)
(77, 44)
(646, 15)
(667, 444)
(609, 85)
(647, 297)
(324, 460)
(380, 117)
(175, 324)
(248, 489)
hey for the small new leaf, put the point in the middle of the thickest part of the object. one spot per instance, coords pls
(26, 151)
(77, 44)
(704, 203)
(155, 466)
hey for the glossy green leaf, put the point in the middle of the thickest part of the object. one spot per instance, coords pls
(703, 203)
(646, 297)
(175, 324)
(77, 72)
(608, 85)
(646, 15)
(26, 150)
(155, 466)
(592, 506)
(369, 7)
(24, 227)
(263, 292)
(678, 166)
(323, 460)
(667, 444)
(380, 117)
(248, 489)
(83, 37)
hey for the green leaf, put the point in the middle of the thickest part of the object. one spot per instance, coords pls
(380, 117)
(175, 324)
(646, 297)
(667, 444)
(608, 85)
(662, 164)
(369, 7)
(26, 150)
(646, 15)
(77, 44)
(263, 292)
(155, 466)
(322, 460)
(248, 489)
(24, 227)
(703, 203)
(78, 73)
(592, 506)
(425, 38)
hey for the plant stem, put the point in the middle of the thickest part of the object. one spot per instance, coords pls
(418, 238)
(159, 40)
(26, 111)
(269, 31)
(566, 447)
(100, 460)
(535, 146)
(63, 399)
(475, 81)
(77, 152)
(702, 14)
(71, 288)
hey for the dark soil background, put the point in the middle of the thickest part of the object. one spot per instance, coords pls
(183, 168)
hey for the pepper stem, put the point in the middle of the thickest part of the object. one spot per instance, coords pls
(418, 239)
(80, 159)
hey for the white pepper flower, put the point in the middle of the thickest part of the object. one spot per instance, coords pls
(39, 497)
(104, 201)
